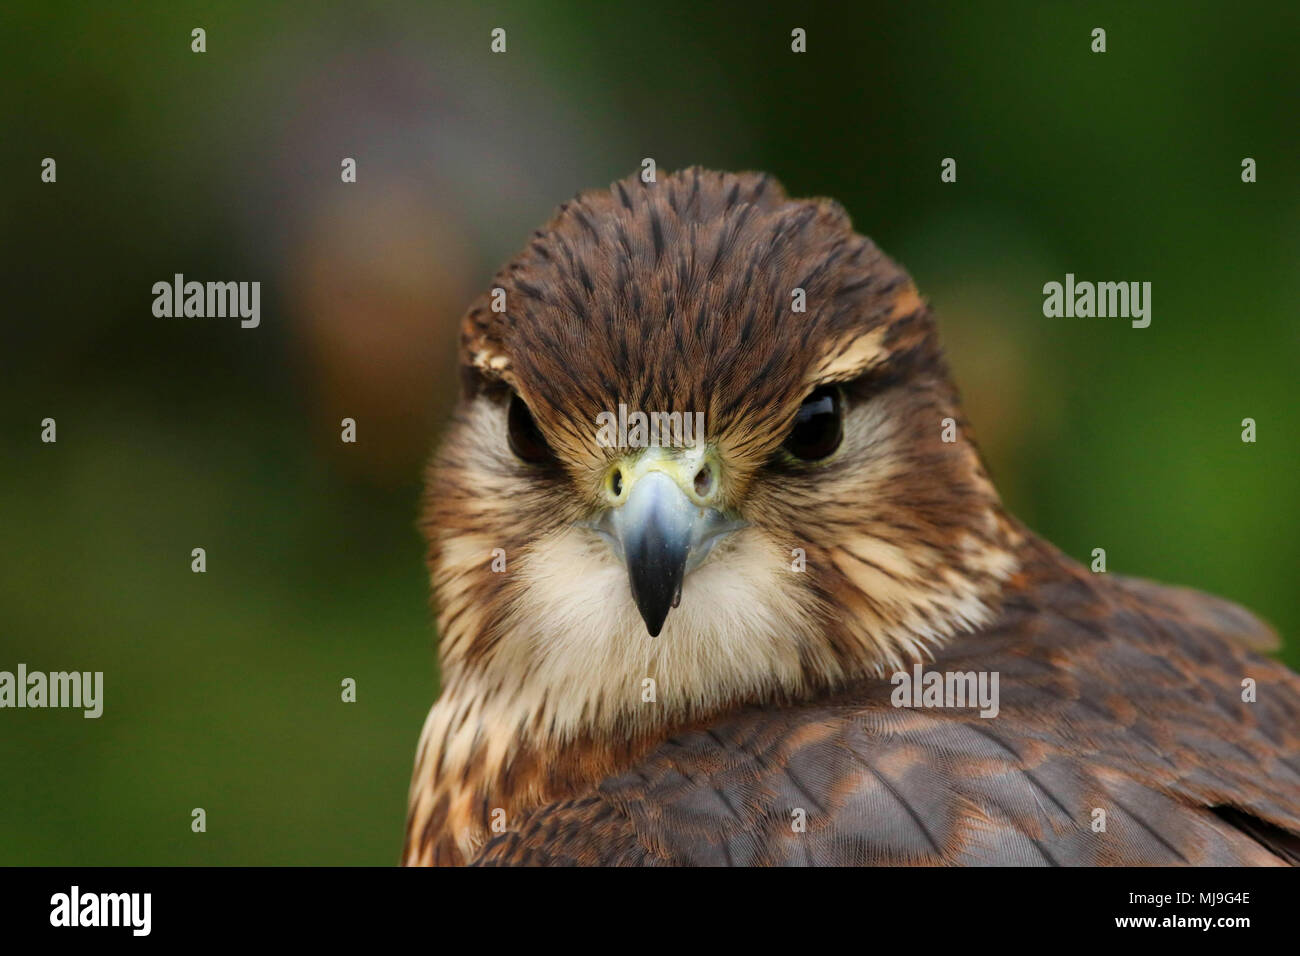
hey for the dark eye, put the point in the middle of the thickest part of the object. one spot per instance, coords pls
(818, 425)
(526, 438)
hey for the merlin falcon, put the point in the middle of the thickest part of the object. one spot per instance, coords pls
(659, 653)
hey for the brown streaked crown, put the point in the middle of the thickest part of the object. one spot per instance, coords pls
(676, 296)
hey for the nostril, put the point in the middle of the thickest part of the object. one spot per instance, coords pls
(616, 482)
(703, 481)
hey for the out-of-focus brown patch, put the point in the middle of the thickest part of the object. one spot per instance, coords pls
(378, 285)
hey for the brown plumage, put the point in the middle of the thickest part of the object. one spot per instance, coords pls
(759, 727)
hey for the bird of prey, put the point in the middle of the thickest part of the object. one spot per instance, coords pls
(697, 652)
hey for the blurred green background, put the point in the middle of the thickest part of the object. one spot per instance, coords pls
(222, 689)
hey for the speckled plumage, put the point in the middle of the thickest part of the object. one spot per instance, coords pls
(772, 689)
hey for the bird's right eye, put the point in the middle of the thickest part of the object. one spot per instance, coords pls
(818, 425)
(526, 439)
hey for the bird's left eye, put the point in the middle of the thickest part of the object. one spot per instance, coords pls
(526, 439)
(818, 425)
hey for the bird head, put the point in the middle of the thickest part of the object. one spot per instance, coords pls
(706, 439)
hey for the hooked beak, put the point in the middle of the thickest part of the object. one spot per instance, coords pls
(661, 535)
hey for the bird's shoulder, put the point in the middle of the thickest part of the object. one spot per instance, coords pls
(1126, 732)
